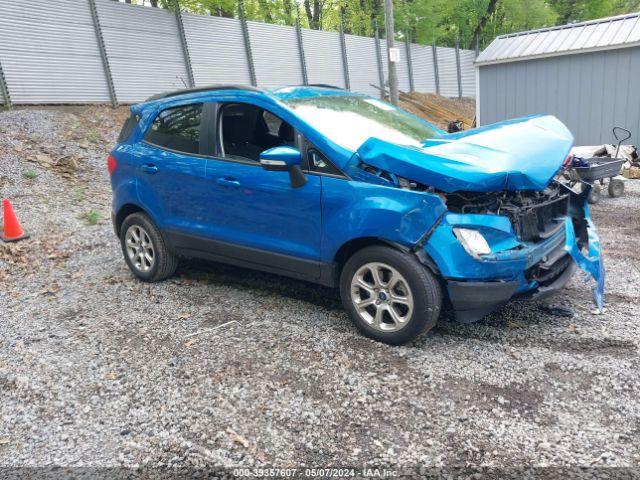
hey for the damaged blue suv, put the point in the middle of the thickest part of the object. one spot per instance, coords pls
(347, 191)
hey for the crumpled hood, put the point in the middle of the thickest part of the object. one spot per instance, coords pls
(520, 154)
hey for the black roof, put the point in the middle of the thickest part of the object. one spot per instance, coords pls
(207, 88)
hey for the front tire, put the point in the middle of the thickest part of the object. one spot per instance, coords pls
(144, 249)
(389, 295)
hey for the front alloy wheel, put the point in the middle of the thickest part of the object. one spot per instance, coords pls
(389, 295)
(382, 297)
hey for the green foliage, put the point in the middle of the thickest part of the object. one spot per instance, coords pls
(424, 20)
(93, 136)
(91, 217)
(30, 174)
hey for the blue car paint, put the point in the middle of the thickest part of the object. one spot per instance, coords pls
(521, 154)
(263, 211)
(591, 263)
(329, 212)
(289, 156)
(501, 264)
(354, 209)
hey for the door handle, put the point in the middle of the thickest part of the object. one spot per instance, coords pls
(149, 168)
(228, 182)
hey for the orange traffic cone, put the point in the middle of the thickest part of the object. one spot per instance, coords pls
(12, 229)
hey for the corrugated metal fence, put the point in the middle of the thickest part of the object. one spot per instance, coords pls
(84, 51)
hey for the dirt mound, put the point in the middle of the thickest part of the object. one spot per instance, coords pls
(440, 110)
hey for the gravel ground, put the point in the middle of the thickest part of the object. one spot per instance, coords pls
(98, 369)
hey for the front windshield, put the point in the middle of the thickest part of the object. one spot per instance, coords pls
(349, 120)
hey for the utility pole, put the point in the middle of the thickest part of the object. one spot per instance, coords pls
(392, 52)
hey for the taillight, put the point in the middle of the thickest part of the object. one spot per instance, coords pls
(111, 164)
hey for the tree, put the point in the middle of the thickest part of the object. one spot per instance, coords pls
(313, 16)
(425, 20)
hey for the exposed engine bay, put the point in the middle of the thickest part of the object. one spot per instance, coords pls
(535, 215)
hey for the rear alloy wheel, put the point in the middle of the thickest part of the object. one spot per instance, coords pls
(389, 295)
(144, 249)
(139, 248)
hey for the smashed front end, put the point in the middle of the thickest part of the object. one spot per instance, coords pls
(492, 247)
(510, 230)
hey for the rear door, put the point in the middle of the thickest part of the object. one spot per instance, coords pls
(172, 184)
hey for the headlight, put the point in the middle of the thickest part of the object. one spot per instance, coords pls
(472, 241)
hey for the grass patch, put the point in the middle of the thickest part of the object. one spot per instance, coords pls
(93, 136)
(30, 174)
(91, 217)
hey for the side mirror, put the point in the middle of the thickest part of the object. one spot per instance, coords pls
(284, 159)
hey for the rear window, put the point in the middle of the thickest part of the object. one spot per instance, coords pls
(177, 128)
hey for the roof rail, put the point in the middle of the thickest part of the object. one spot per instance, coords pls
(207, 88)
(323, 85)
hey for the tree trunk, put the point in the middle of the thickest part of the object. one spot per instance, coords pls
(313, 17)
(218, 10)
(154, 3)
(491, 7)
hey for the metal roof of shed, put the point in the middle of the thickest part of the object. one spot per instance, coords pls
(601, 34)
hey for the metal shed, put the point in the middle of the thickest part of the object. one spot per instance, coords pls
(586, 74)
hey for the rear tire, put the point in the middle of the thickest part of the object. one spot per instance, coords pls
(389, 295)
(144, 249)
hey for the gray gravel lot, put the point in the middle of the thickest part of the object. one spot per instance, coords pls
(98, 369)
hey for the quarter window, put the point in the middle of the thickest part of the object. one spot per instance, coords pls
(177, 128)
(319, 163)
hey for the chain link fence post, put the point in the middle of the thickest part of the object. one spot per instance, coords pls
(303, 62)
(435, 66)
(407, 43)
(4, 88)
(343, 51)
(458, 70)
(247, 43)
(376, 37)
(103, 53)
(183, 43)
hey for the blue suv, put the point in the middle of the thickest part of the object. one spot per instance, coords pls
(348, 191)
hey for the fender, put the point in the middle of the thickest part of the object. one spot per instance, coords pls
(354, 209)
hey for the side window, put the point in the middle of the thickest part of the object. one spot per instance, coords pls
(247, 130)
(319, 163)
(273, 123)
(177, 128)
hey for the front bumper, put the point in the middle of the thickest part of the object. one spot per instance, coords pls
(535, 271)
(473, 300)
